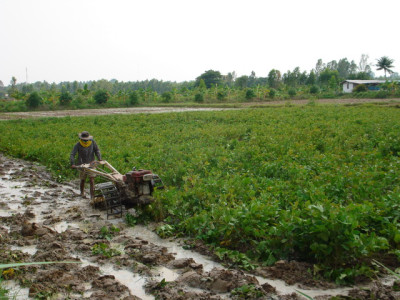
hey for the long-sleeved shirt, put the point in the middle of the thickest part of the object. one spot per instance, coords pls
(85, 155)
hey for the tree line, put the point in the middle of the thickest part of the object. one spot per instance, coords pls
(322, 81)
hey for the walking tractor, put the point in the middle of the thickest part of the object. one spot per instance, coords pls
(134, 188)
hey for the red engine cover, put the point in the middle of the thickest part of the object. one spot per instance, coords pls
(136, 176)
(139, 174)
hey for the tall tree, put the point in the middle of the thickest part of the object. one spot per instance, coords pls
(242, 81)
(312, 78)
(13, 82)
(292, 78)
(385, 63)
(343, 68)
(252, 79)
(319, 67)
(364, 65)
(274, 78)
(210, 77)
(333, 65)
(326, 76)
(230, 78)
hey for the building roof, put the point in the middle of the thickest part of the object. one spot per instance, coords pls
(364, 81)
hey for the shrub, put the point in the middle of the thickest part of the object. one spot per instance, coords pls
(33, 100)
(250, 94)
(65, 98)
(78, 101)
(292, 92)
(360, 88)
(199, 98)
(221, 95)
(314, 90)
(381, 95)
(166, 97)
(272, 93)
(328, 95)
(133, 98)
(101, 97)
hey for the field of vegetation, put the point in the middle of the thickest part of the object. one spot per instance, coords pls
(313, 183)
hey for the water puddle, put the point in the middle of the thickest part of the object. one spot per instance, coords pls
(173, 247)
(208, 264)
(165, 273)
(31, 250)
(14, 290)
(63, 226)
(134, 282)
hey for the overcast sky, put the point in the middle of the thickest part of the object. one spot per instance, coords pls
(177, 40)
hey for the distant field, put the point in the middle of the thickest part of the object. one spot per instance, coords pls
(311, 183)
(181, 107)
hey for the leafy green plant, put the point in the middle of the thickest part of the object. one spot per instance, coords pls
(221, 95)
(133, 98)
(292, 92)
(65, 97)
(235, 257)
(101, 97)
(360, 88)
(33, 100)
(108, 232)
(314, 89)
(44, 295)
(166, 97)
(272, 93)
(165, 231)
(130, 220)
(162, 284)
(105, 250)
(250, 94)
(199, 97)
(381, 94)
(247, 291)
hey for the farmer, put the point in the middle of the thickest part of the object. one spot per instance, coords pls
(86, 149)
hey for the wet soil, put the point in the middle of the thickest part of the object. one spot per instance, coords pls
(153, 110)
(98, 112)
(45, 221)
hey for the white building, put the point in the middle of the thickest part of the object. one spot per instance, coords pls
(349, 85)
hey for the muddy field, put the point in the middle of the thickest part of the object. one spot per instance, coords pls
(154, 110)
(42, 220)
(98, 112)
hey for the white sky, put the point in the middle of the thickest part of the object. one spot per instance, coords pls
(177, 40)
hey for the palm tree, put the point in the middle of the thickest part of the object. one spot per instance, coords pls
(385, 63)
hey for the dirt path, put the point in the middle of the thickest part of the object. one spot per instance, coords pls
(154, 110)
(350, 101)
(97, 112)
(42, 220)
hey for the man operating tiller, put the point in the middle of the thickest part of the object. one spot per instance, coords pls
(86, 149)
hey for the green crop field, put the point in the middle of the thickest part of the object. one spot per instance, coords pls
(313, 183)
